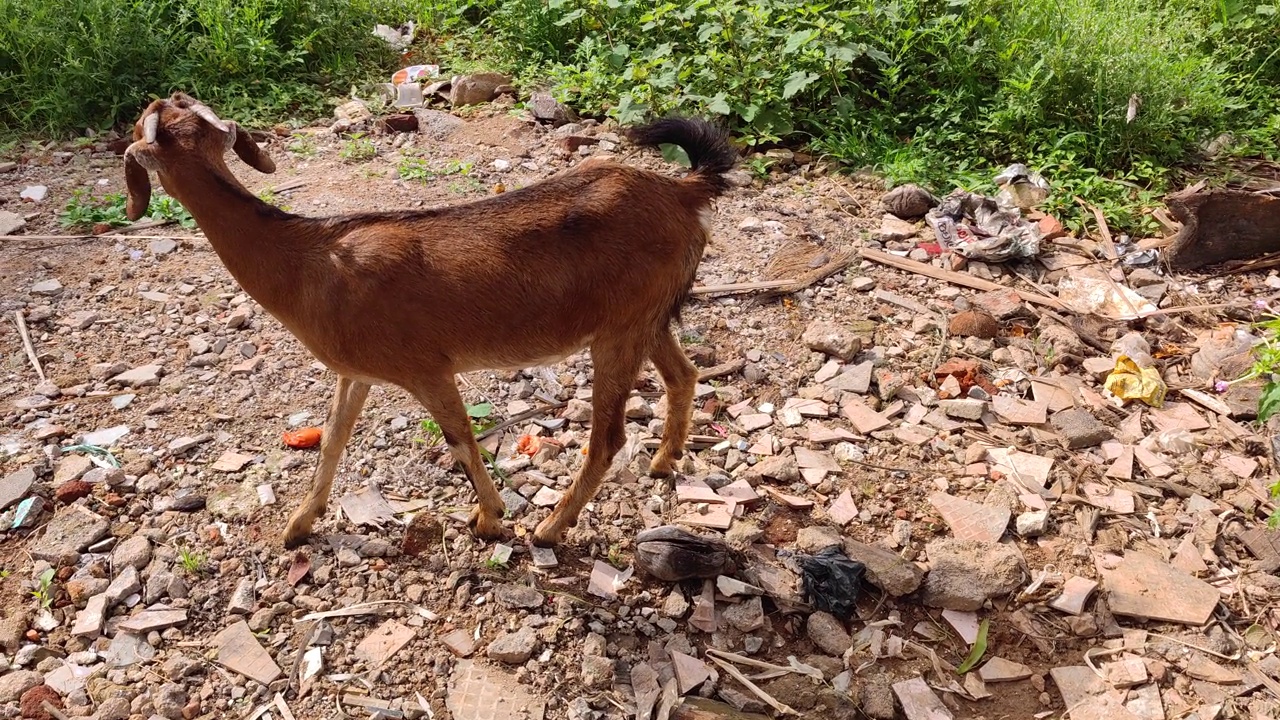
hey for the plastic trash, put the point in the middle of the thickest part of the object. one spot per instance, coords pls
(1021, 188)
(415, 73)
(979, 228)
(1091, 291)
(1130, 382)
(398, 38)
(831, 580)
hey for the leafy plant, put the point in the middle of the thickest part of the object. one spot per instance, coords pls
(303, 145)
(269, 197)
(615, 557)
(358, 148)
(1266, 365)
(84, 211)
(44, 590)
(759, 165)
(164, 207)
(432, 434)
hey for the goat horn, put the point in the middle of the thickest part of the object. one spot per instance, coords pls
(207, 113)
(149, 125)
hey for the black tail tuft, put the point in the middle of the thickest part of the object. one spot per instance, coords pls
(706, 144)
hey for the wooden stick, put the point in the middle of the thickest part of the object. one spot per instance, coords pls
(733, 288)
(26, 343)
(1108, 245)
(91, 237)
(53, 711)
(721, 370)
(955, 278)
(781, 287)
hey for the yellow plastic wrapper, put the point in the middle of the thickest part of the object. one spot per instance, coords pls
(1130, 382)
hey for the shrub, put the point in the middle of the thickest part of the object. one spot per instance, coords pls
(75, 64)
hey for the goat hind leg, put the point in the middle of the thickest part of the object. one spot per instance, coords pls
(615, 374)
(680, 377)
(348, 401)
(441, 398)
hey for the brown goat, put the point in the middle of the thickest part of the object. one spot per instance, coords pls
(600, 256)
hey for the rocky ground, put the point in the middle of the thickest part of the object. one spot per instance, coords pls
(1096, 558)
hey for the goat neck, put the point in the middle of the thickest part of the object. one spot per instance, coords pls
(275, 256)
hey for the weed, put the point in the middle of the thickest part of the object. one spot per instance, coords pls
(432, 434)
(303, 145)
(480, 421)
(192, 561)
(164, 207)
(270, 198)
(83, 211)
(495, 564)
(759, 165)
(412, 168)
(615, 557)
(44, 590)
(465, 186)
(358, 148)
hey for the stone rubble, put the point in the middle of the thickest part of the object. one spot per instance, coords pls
(984, 472)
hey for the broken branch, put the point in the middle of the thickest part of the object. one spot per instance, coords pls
(26, 343)
(954, 278)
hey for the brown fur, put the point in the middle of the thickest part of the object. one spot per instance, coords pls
(600, 256)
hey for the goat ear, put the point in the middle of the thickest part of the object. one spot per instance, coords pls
(249, 151)
(138, 184)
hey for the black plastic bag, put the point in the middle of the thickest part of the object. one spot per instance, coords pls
(831, 580)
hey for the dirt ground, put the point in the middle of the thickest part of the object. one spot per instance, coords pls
(259, 383)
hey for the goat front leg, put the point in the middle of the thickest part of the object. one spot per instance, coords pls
(441, 398)
(680, 378)
(348, 401)
(615, 374)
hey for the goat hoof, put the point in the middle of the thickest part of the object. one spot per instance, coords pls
(546, 536)
(661, 468)
(294, 540)
(485, 527)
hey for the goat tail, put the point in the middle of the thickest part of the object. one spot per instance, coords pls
(707, 146)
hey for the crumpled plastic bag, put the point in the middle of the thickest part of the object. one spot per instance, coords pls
(1131, 382)
(979, 228)
(831, 580)
(1021, 188)
(1089, 291)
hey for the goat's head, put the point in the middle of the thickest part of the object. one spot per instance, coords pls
(181, 130)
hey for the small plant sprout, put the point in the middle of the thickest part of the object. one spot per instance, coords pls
(44, 590)
(501, 556)
(358, 148)
(615, 557)
(431, 432)
(192, 561)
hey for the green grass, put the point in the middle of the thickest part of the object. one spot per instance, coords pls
(192, 561)
(75, 64)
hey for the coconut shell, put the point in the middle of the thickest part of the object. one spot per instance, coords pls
(974, 323)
